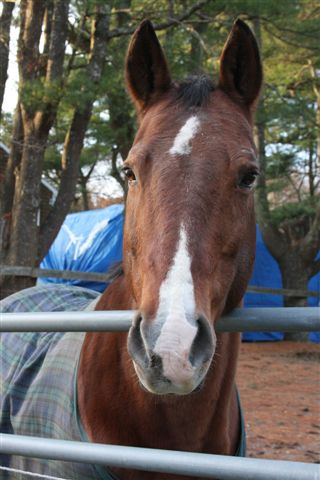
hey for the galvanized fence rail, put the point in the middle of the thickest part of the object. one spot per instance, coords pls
(291, 319)
(183, 463)
(166, 461)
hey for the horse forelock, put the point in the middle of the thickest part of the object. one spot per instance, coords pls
(194, 91)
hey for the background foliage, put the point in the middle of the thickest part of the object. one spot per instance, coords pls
(192, 33)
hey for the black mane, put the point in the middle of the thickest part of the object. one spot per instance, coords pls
(194, 91)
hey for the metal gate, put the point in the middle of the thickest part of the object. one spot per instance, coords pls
(183, 463)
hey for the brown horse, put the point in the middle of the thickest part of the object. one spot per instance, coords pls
(189, 248)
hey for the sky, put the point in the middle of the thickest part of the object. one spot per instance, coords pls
(11, 94)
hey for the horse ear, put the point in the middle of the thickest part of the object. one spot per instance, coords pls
(240, 65)
(146, 69)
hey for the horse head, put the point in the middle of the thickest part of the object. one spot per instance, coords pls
(189, 239)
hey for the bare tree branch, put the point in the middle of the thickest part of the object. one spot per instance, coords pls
(272, 236)
(55, 59)
(115, 171)
(125, 31)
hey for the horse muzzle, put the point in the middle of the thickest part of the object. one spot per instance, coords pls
(171, 356)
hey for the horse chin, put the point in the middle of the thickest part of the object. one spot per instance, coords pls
(164, 387)
(168, 390)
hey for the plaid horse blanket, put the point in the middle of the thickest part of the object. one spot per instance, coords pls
(38, 374)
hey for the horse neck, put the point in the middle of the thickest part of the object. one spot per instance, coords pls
(117, 296)
(115, 409)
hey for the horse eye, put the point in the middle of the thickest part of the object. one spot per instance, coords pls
(248, 179)
(129, 173)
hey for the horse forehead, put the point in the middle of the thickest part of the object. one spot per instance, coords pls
(210, 125)
(177, 131)
(167, 134)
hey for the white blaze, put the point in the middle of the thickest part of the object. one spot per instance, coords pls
(182, 142)
(177, 308)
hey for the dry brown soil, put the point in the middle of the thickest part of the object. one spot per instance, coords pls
(279, 384)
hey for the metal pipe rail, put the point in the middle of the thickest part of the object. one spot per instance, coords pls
(155, 460)
(291, 319)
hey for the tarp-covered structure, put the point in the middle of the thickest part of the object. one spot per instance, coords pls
(88, 241)
(266, 273)
(92, 242)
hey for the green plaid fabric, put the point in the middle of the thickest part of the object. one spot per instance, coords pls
(49, 298)
(38, 383)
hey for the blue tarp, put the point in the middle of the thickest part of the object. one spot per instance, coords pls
(92, 242)
(89, 242)
(266, 273)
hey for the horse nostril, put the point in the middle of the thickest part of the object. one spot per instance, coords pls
(136, 347)
(203, 345)
(156, 362)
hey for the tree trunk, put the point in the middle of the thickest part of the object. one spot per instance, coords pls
(70, 172)
(197, 47)
(119, 109)
(294, 276)
(75, 135)
(25, 222)
(115, 172)
(84, 194)
(8, 184)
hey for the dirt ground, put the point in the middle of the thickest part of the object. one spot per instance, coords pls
(279, 384)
